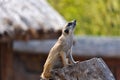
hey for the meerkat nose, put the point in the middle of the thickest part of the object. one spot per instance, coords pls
(74, 22)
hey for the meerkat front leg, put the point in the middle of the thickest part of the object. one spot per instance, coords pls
(63, 57)
(70, 57)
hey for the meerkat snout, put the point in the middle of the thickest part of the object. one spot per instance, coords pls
(72, 24)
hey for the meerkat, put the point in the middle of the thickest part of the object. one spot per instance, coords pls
(60, 54)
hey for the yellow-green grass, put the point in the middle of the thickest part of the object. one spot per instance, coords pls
(94, 17)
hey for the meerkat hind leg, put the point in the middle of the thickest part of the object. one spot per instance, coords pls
(63, 57)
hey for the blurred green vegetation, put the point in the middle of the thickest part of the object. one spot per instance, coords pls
(94, 17)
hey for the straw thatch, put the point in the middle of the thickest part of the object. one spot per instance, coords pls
(28, 18)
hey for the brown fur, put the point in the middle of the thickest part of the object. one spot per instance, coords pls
(61, 52)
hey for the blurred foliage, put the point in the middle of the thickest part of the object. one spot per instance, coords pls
(94, 17)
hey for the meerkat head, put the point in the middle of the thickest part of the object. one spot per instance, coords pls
(69, 28)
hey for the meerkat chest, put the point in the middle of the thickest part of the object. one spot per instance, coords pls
(68, 43)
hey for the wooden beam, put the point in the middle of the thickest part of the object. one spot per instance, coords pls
(31, 36)
(6, 60)
(93, 69)
(84, 46)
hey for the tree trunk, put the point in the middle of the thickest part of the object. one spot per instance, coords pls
(6, 61)
(93, 69)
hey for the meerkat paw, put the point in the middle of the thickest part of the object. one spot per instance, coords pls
(76, 62)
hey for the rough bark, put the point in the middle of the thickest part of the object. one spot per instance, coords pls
(93, 69)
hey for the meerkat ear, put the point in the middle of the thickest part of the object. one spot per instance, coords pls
(66, 31)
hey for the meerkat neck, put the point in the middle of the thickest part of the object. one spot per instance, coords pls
(66, 39)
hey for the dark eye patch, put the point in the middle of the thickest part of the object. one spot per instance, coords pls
(69, 24)
(66, 31)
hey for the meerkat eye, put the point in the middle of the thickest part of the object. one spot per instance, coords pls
(69, 24)
(66, 31)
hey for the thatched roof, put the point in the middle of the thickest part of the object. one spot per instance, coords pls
(31, 18)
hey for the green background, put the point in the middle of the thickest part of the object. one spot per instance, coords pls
(94, 17)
